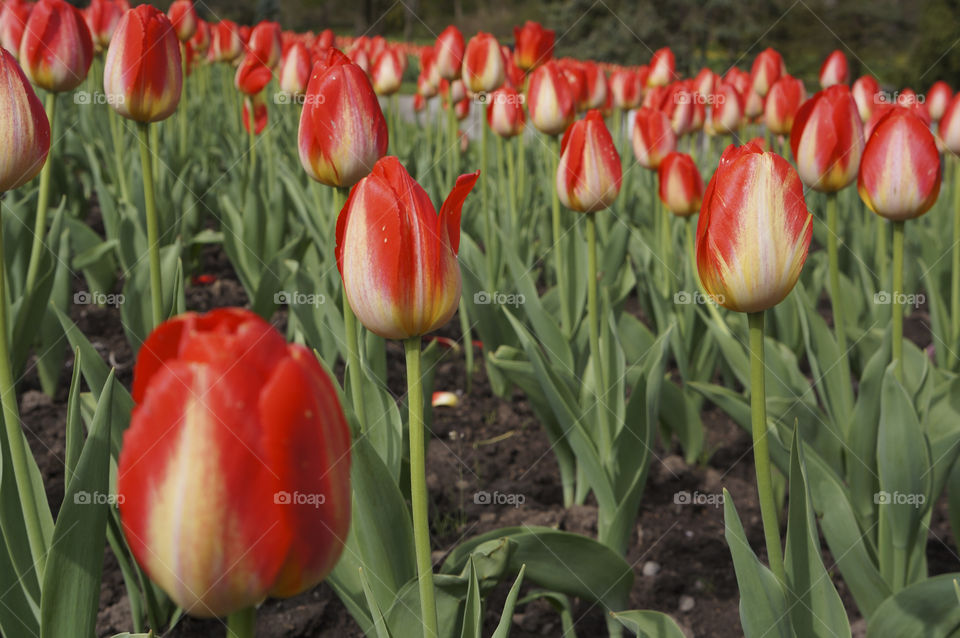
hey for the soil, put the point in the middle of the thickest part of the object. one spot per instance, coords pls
(678, 553)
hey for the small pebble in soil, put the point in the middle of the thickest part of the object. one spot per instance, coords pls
(686, 604)
(651, 568)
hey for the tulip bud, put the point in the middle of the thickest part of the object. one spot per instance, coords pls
(252, 75)
(678, 105)
(653, 137)
(142, 75)
(681, 187)
(295, 69)
(483, 69)
(462, 109)
(550, 99)
(23, 126)
(259, 107)
(597, 86)
(226, 44)
(753, 105)
(949, 125)
(397, 257)
(589, 173)
(662, 67)
(102, 18)
(265, 43)
(938, 97)
(533, 45)
(726, 116)
(754, 230)
(827, 139)
(577, 79)
(235, 470)
(342, 129)
(834, 70)
(783, 101)
(184, 19)
(56, 49)
(505, 112)
(706, 82)
(449, 51)
(738, 78)
(866, 92)
(767, 69)
(626, 88)
(13, 20)
(387, 71)
(900, 171)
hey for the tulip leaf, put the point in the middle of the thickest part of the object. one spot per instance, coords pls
(649, 624)
(928, 608)
(71, 579)
(473, 609)
(506, 617)
(378, 621)
(74, 435)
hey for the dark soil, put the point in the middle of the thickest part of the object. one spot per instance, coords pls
(678, 553)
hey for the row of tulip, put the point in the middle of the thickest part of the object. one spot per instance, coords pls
(405, 271)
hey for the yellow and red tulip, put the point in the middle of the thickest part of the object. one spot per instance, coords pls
(102, 17)
(295, 69)
(681, 186)
(342, 129)
(533, 45)
(597, 85)
(13, 20)
(200, 42)
(753, 105)
(23, 126)
(550, 99)
(783, 101)
(662, 67)
(226, 44)
(866, 93)
(266, 44)
(589, 173)
(754, 230)
(767, 69)
(56, 49)
(938, 97)
(449, 50)
(235, 470)
(827, 139)
(184, 19)
(505, 112)
(483, 69)
(949, 125)
(726, 114)
(260, 115)
(397, 256)
(834, 70)
(706, 82)
(387, 71)
(653, 137)
(626, 87)
(900, 170)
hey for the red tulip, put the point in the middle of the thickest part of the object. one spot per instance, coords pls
(419, 103)
(681, 187)
(626, 88)
(102, 18)
(23, 126)
(505, 112)
(397, 256)
(184, 19)
(325, 40)
(706, 82)
(938, 97)
(589, 173)
(201, 38)
(753, 105)
(483, 69)
(678, 105)
(56, 49)
(866, 92)
(900, 171)
(226, 44)
(783, 102)
(834, 70)
(767, 69)
(577, 79)
(597, 85)
(449, 50)
(533, 45)
(949, 126)
(13, 20)
(387, 71)
(235, 470)
(827, 139)
(461, 109)
(252, 75)
(428, 81)
(515, 75)
(550, 99)
(259, 113)
(342, 129)
(295, 69)
(754, 230)
(662, 67)
(726, 116)
(738, 78)
(265, 43)
(653, 137)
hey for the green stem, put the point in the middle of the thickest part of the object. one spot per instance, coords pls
(467, 333)
(418, 488)
(882, 266)
(593, 316)
(43, 199)
(900, 560)
(252, 134)
(834, 258)
(242, 624)
(666, 241)
(15, 440)
(558, 256)
(453, 141)
(898, 231)
(512, 187)
(484, 200)
(116, 132)
(761, 450)
(153, 232)
(183, 115)
(955, 273)
(352, 337)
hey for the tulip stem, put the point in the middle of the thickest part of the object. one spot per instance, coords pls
(882, 231)
(565, 322)
(184, 114)
(43, 200)
(116, 132)
(487, 211)
(898, 232)
(15, 440)
(593, 316)
(352, 336)
(834, 259)
(454, 142)
(761, 450)
(955, 272)
(418, 488)
(512, 187)
(153, 231)
(242, 624)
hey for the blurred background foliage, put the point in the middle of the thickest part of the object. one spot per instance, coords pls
(902, 43)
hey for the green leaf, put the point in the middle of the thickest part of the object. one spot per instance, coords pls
(473, 608)
(649, 624)
(506, 617)
(379, 622)
(74, 444)
(928, 609)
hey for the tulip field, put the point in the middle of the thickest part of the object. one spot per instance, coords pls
(306, 333)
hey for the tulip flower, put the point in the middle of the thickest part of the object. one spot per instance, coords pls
(752, 241)
(252, 75)
(225, 42)
(577, 79)
(265, 43)
(235, 470)
(201, 38)
(449, 50)
(681, 186)
(56, 49)
(387, 71)
(783, 101)
(102, 18)
(726, 116)
(505, 112)
(13, 20)
(949, 125)
(866, 92)
(597, 85)
(834, 70)
(767, 69)
(533, 45)
(483, 69)
(550, 99)
(295, 69)
(662, 67)
(259, 118)
(184, 19)
(653, 137)
(938, 97)
(589, 175)
(753, 105)
(827, 139)
(739, 78)
(342, 129)
(706, 82)
(626, 88)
